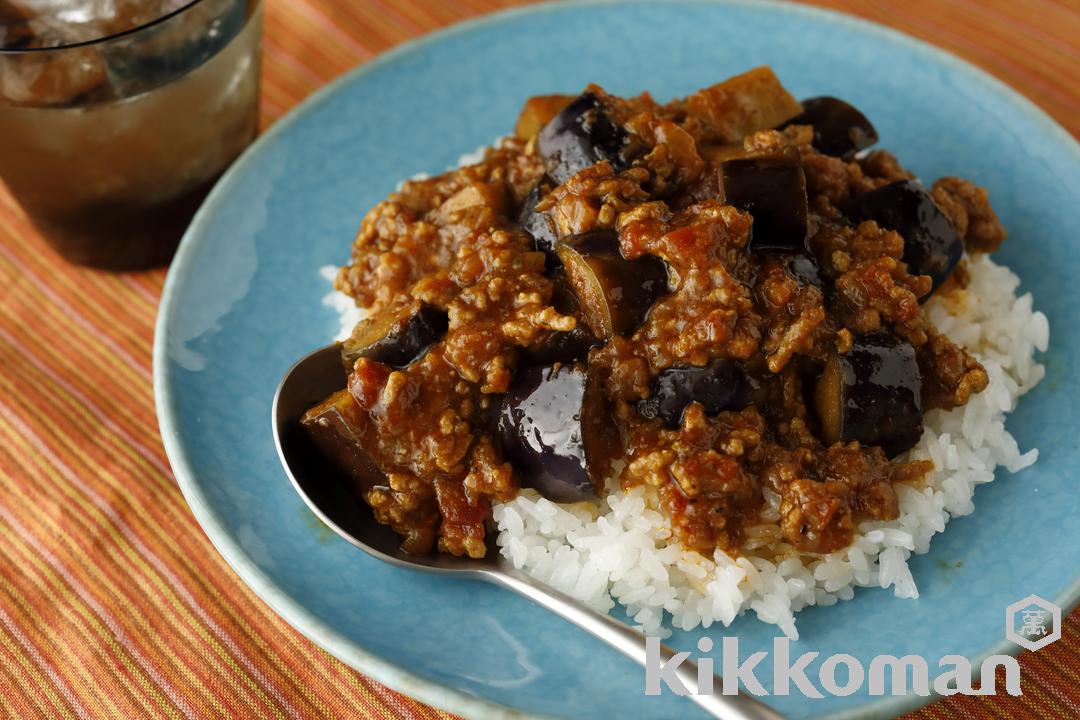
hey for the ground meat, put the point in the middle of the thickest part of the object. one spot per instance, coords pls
(488, 474)
(408, 506)
(419, 231)
(625, 374)
(794, 313)
(873, 287)
(816, 516)
(709, 313)
(420, 415)
(672, 159)
(704, 473)
(593, 198)
(883, 166)
(461, 531)
(950, 374)
(968, 208)
(497, 314)
(454, 242)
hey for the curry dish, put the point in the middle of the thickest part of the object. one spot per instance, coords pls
(717, 297)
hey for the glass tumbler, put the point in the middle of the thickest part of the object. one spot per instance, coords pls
(110, 143)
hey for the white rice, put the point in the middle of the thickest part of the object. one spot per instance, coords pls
(620, 550)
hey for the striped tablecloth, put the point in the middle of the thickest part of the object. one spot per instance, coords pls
(113, 604)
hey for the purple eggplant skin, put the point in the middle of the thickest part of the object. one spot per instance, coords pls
(721, 385)
(773, 190)
(804, 269)
(564, 346)
(839, 128)
(873, 394)
(581, 136)
(488, 415)
(557, 432)
(931, 244)
(614, 295)
(336, 426)
(396, 336)
(539, 225)
(561, 346)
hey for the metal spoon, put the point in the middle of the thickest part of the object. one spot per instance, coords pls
(328, 493)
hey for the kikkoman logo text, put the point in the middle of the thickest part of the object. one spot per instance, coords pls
(1032, 623)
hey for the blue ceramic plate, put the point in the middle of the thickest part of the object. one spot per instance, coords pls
(242, 302)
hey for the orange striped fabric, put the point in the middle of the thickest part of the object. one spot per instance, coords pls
(113, 604)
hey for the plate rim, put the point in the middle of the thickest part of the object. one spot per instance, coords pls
(326, 637)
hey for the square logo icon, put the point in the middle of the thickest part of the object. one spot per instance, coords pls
(1033, 622)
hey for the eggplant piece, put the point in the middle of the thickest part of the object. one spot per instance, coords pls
(563, 297)
(396, 336)
(538, 112)
(773, 190)
(488, 414)
(561, 346)
(539, 225)
(557, 431)
(804, 269)
(580, 136)
(336, 425)
(615, 294)
(491, 195)
(741, 105)
(565, 346)
(931, 244)
(721, 385)
(873, 394)
(839, 128)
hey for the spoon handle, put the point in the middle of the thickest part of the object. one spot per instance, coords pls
(629, 642)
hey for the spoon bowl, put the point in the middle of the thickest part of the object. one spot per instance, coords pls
(328, 492)
(325, 489)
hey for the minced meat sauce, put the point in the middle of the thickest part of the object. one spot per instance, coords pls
(718, 297)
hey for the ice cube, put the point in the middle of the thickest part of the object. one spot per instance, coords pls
(51, 78)
(133, 13)
(69, 12)
(15, 32)
(63, 22)
(133, 63)
(52, 23)
(166, 51)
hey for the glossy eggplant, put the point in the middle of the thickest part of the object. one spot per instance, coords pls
(396, 336)
(580, 136)
(615, 294)
(721, 385)
(557, 431)
(773, 190)
(538, 224)
(538, 112)
(741, 105)
(561, 346)
(563, 297)
(873, 394)
(804, 269)
(839, 128)
(931, 244)
(336, 426)
(565, 346)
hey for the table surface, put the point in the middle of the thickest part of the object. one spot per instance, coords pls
(114, 604)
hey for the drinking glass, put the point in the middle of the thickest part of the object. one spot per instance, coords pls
(110, 143)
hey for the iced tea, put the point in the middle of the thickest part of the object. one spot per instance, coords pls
(110, 143)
